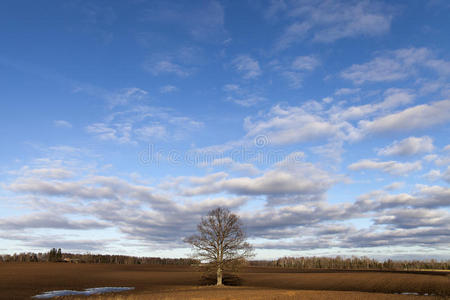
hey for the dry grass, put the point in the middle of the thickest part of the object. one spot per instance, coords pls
(21, 281)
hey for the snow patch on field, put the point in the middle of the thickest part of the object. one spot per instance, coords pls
(86, 292)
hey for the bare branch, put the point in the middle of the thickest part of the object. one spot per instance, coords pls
(220, 240)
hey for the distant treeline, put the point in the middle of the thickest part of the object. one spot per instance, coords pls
(353, 263)
(55, 255)
(335, 263)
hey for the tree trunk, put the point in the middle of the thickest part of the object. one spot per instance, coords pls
(219, 276)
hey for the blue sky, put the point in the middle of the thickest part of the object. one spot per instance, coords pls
(323, 124)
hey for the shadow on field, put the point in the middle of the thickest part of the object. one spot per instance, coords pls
(230, 279)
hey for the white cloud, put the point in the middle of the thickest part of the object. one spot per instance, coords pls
(62, 123)
(52, 173)
(125, 96)
(433, 196)
(425, 196)
(168, 89)
(242, 96)
(284, 125)
(166, 67)
(414, 218)
(442, 160)
(329, 21)
(141, 122)
(393, 98)
(150, 132)
(315, 121)
(49, 220)
(241, 168)
(346, 91)
(391, 167)
(433, 175)
(394, 186)
(247, 66)
(292, 34)
(380, 69)
(409, 146)
(416, 117)
(446, 175)
(295, 193)
(307, 63)
(120, 132)
(294, 78)
(231, 88)
(327, 99)
(284, 178)
(295, 70)
(246, 100)
(395, 65)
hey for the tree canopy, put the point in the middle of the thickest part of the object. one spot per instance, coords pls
(221, 241)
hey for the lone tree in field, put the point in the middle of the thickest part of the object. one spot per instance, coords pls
(220, 240)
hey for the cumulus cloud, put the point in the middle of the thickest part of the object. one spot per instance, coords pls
(433, 196)
(422, 236)
(433, 175)
(315, 121)
(391, 167)
(295, 201)
(424, 197)
(416, 117)
(294, 178)
(49, 220)
(95, 187)
(270, 221)
(393, 98)
(394, 186)
(413, 218)
(284, 125)
(311, 121)
(409, 146)
(446, 175)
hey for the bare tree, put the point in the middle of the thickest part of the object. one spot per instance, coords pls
(220, 240)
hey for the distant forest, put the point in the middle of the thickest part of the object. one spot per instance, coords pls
(353, 263)
(335, 263)
(57, 256)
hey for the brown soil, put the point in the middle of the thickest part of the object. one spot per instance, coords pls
(23, 280)
(241, 293)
